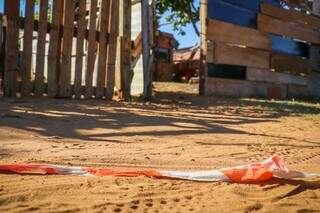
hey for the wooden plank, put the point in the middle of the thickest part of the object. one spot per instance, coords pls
(54, 46)
(102, 60)
(137, 47)
(266, 75)
(233, 55)
(242, 89)
(41, 48)
(12, 48)
(92, 47)
(81, 32)
(112, 48)
(65, 72)
(290, 64)
(122, 72)
(276, 26)
(309, 21)
(27, 48)
(235, 34)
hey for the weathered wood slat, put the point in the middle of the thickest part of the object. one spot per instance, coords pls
(137, 47)
(309, 21)
(92, 47)
(11, 58)
(235, 34)
(266, 75)
(243, 89)
(65, 72)
(102, 60)
(49, 27)
(234, 55)
(112, 48)
(55, 41)
(276, 26)
(122, 78)
(41, 48)
(290, 64)
(27, 48)
(80, 53)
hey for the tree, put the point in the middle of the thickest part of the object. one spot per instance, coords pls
(182, 12)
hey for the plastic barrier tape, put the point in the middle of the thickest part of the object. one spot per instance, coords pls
(251, 173)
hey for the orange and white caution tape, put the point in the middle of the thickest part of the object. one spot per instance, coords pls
(251, 173)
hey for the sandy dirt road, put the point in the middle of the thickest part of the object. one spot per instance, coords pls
(177, 131)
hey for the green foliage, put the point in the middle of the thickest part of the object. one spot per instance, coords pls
(182, 13)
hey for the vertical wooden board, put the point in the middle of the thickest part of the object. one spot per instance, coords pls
(123, 50)
(27, 48)
(112, 48)
(12, 48)
(233, 55)
(65, 72)
(81, 32)
(41, 48)
(92, 47)
(104, 26)
(53, 57)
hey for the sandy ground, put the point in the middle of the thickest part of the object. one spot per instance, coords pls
(175, 131)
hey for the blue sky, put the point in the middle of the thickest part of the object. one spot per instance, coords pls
(187, 40)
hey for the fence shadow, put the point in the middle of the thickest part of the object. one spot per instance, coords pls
(168, 115)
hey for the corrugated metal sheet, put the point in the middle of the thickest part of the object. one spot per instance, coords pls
(137, 82)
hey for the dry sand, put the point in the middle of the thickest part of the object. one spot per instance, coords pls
(176, 131)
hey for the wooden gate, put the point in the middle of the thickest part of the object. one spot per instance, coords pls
(66, 48)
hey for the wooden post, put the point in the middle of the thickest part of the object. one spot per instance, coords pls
(12, 48)
(203, 46)
(145, 22)
(54, 48)
(41, 48)
(80, 53)
(112, 48)
(104, 26)
(123, 50)
(65, 75)
(92, 47)
(27, 48)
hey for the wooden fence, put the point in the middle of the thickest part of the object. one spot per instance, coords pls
(66, 48)
(265, 48)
